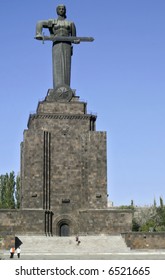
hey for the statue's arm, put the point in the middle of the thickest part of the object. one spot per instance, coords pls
(39, 27)
(73, 33)
(73, 29)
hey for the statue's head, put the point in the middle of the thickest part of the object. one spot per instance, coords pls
(61, 10)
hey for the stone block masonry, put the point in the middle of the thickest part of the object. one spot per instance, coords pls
(64, 175)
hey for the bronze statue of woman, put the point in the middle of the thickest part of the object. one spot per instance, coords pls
(62, 34)
(61, 50)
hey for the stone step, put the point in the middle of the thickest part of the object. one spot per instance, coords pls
(88, 244)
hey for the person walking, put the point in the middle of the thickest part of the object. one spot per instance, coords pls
(18, 252)
(78, 240)
(12, 251)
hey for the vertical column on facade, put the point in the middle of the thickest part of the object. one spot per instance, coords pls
(84, 168)
(46, 171)
(50, 214)
(48, 222)
(92, 125)
(46, 183)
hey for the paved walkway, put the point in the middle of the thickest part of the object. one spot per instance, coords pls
(132, 255)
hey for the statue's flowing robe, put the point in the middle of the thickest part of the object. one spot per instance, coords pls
(62, 52)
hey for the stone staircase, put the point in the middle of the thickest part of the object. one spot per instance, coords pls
(42, 245)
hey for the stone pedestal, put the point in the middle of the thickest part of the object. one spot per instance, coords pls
(63, 164)
(64, 175)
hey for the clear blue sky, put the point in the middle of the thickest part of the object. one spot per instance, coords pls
(121, 75)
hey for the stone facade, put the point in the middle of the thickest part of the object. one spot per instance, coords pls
(21, 221)
(63, 159)
(86, 222)
(64, 175)
(145, 240)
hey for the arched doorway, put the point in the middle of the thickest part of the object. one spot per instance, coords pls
(65, 225)
(64, 229)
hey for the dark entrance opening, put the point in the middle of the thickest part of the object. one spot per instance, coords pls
(64, 229)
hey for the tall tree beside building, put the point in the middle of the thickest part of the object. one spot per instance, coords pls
(7, 190)
(17, 192)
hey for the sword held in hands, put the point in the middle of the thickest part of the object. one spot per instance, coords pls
(72, 39)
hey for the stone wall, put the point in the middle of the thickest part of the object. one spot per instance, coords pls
(142, 240)
(22, 221)
(86, 222)
(105, 221)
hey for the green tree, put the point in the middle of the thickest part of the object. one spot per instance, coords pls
(135, 225)
(154, 202)
(17, 192)
(7, 189)
(1, 189)
(161, 217)
(148, 226)
(161, 202)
